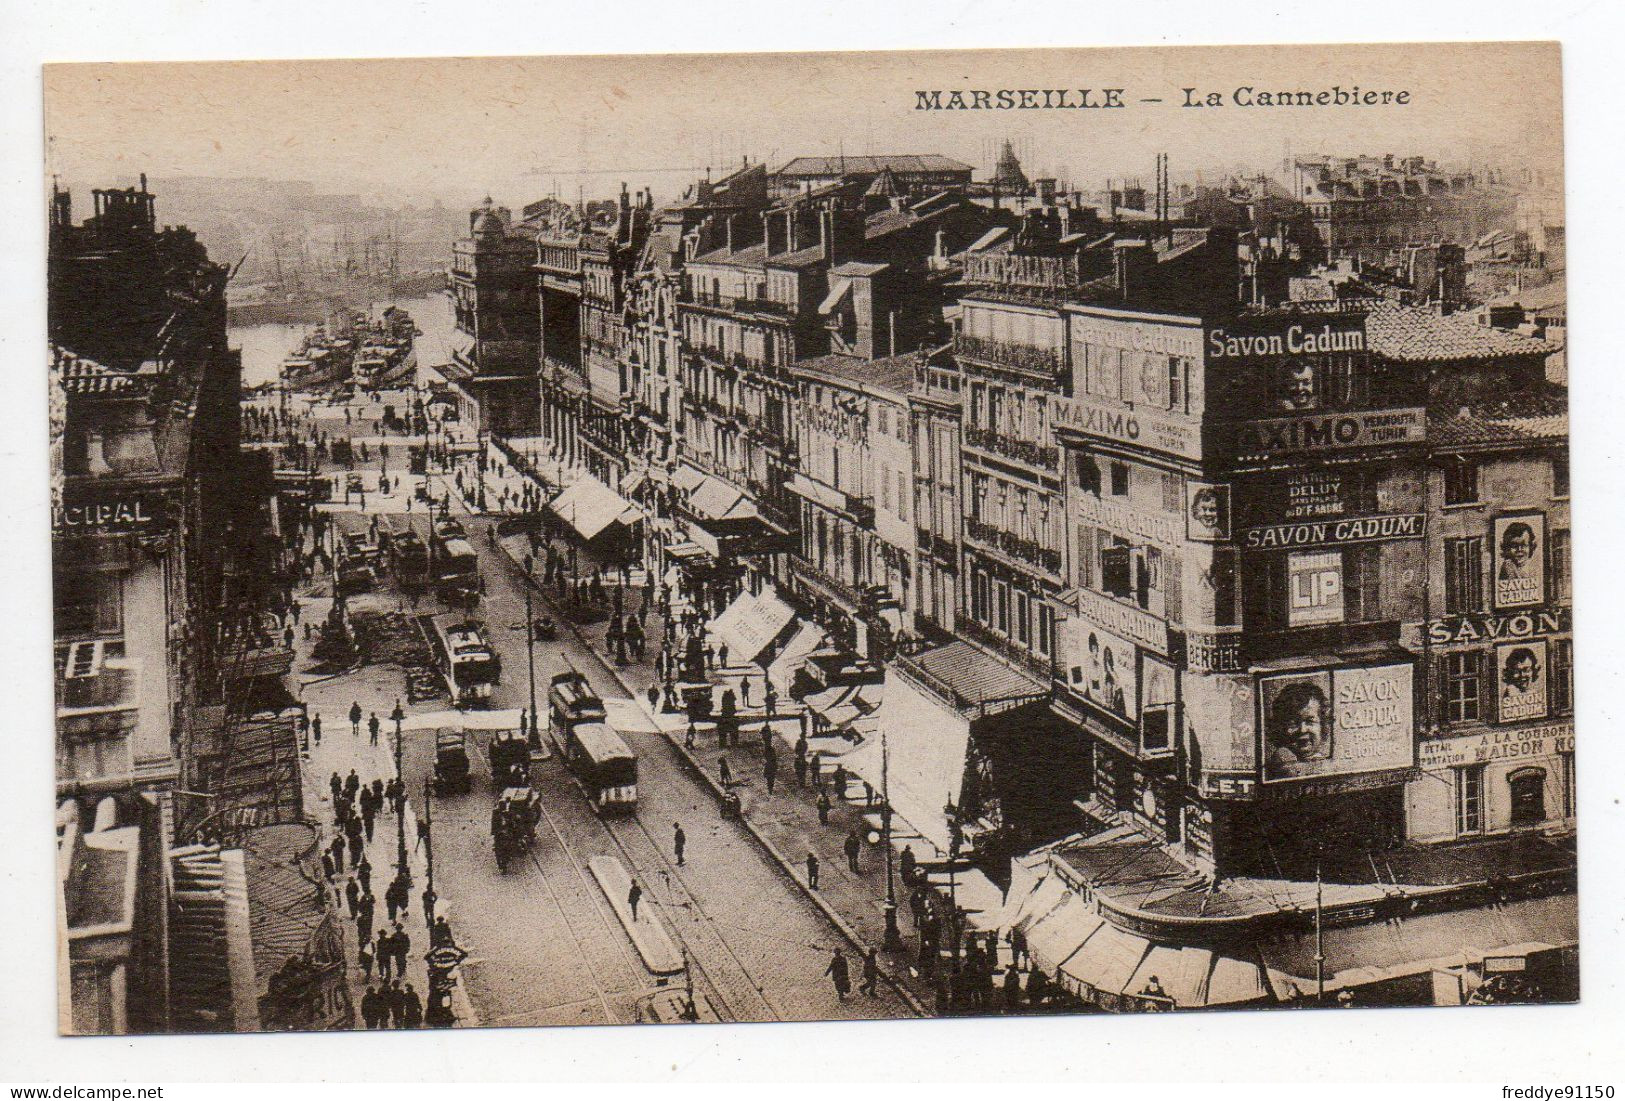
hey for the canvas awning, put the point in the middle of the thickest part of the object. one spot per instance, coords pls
(589, 506)
(782, 670)
(715, 499)
(839, 290)
(752, 624)
(688, 478)
(843, 705)
(926, 745)
(1053, 938)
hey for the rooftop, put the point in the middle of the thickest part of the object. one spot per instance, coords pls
(893, 373)
(1412, 334)
(862, 166)
(1522, 418)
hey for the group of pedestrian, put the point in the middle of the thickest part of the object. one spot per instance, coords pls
(392, 1005)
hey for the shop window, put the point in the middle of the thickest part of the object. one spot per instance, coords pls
(1463, 575)
(1469, 800)
(1463, 685)
(1562, 566)
(1528, 788)
(1461, 482)
(1119, 479)
(1560, 674)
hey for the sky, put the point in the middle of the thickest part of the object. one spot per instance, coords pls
(522, 128)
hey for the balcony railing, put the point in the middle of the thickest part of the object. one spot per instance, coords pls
(1008, 542)
(1008, 648)
(828, 584)
(1044, 457)
(1024, 357)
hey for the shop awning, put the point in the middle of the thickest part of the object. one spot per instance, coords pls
(1055, 937)
(926, 745)
(840, 290)
(971, 680)
(589, 506)
(754, 626)
(1359, 954)
(688, 478)
(844, 705)
(782, 670)
(715, 499)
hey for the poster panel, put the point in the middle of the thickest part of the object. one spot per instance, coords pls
(1314, 588)
(1207, 512)
(1101, 667)
(1520, 560)
(1520, 673)
(1338, 722)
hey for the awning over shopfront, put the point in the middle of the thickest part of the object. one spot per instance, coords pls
(688, 478)
(739, 537)
(751, 624)
(589, 506)
(973, 681)
(782, 670)
(715, 499)
(844, 705)
(1360, 954)
(926, 745)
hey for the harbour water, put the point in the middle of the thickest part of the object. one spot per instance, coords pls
(264, 347)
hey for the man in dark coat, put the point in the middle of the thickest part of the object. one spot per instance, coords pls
(403, 946)
(411, 1008)
(852, 846)
(352, 893)
(364, 912)
(812, 869)
(383, 954)
(370, 1008)
(839, 976)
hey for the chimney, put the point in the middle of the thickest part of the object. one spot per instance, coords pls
(1134, 262)
(775, 232)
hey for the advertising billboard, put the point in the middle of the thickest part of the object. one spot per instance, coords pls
(1520, 560)
(1314, 588)
(1101, 667)
(1207, 512)
(1336, 722)
(1520, 673)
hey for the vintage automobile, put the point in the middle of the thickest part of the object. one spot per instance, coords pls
(451, 772)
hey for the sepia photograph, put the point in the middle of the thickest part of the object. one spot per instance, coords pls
(662, 539)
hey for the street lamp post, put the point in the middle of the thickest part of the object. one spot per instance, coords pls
(893, 936)
(533, 735)
(429, 897)
(402, 868)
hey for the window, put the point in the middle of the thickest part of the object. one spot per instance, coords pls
(1562, 566)
(1463, 680)
(1362, 596)
(1560, 676)
(1173, 494)
(1470, 800)
(1461, 482)
(1046, 629)
(1001, 606)
(980, 593)
(1176, 383)
(1119, 479)
(1528, 789)
(1463, 575)
(1224, 587)
(1023, 618)
(1566, 760)
(1084, 556)
(1087, 473)
(1116, 569)
(1560, 477)
(87, 602)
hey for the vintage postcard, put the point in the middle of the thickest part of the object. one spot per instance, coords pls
(591, 540)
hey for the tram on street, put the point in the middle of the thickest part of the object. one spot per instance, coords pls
(467, 661)
(355, 553)
(406, 552)
(456, 569)
(604, 765)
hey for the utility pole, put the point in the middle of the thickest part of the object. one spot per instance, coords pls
(429, 896)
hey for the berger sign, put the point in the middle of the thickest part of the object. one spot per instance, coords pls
(1325, 533)
(1321, 432)
(1141, 427)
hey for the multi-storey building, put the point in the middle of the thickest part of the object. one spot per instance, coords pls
(162, 569)
(493, 365)
(610, 428)
(564, 389)
(1366, 208)
(935, 431)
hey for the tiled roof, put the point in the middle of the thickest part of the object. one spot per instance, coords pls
(1418, 335)
(852, 166)
(894, 373)
(1519, 419)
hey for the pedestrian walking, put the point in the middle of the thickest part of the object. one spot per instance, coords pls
(839, 976)
(816, 766)
(852, 846)
(411, 1008)
(357, 857)
(316, 723)
(336, 850)
(812, 869)
(907, 864)
(871, 973)
(364, 907)
(770, 699)
(363, 957)
(402, 942)
(395, 897)
(363, 872)
(653, 696)
(384, 954)
(327, 865)
(372, 727)
(722, 655)
(429, 899)
(744, 690)
(838, 780)
(370, 1008)
(726, 771)
(801, 770)
(355, 719)
(352, 895)
(679, 840)
(334, 783)
(368, 817)
(633, 897)
(770, 769)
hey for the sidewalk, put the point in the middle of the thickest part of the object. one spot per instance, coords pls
(375, 687)
(785, 822)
